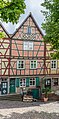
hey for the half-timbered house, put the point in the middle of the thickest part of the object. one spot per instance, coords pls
(4, 61)
(25, 60)
(27, 56)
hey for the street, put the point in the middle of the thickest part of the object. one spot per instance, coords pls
(29, 110)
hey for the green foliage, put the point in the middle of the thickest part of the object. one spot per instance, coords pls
(46, 91)
(51, 25)
(10, 10)
(2, 34)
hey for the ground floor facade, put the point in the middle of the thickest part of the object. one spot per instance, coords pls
(11, 85)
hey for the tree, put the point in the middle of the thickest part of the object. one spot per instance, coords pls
(10, 10)
(51, 25)
(2, 34)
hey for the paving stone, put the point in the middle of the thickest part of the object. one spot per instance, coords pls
(27, 110)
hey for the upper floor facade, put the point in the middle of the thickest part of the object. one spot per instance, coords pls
(25, 53)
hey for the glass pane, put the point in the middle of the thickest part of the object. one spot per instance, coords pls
(23, 82)
(25, 45)
(20, 83)
(30, 82)
(29, 30)
(30, 45)
(31, 65)
(33, 79)
(33, 82)
(55, 62)
(34, 65)
(54, 65)
(21, 65)
(34, 61)
(31, 62)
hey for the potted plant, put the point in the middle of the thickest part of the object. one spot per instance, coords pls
(45, 92)
(46, 95)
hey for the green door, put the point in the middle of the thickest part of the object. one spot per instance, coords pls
(12, 85)
(35, 93)
(4, 87)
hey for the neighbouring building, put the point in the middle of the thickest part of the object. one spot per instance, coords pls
(25, 60)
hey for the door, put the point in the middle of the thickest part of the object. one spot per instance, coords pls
(12, 85)
(35, 93)
(4, 87)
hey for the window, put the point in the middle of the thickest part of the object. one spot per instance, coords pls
(33, 64)
(20, 64)
(22, 82)
(4, 85)
(32, 82)
(53, 64)
(28, 45)
(48, 83)
(29, 30)
(55, 81)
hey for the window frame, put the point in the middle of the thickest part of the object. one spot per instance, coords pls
(4, 85)
(28, 46)
(18, 64)
(32, 82)
(53, 64)
(22, 82)
(48, 82)
(29, 33)
(33, 64)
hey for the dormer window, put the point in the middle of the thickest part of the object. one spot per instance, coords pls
(29, 30)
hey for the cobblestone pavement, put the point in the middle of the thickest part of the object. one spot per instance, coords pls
(33, 110)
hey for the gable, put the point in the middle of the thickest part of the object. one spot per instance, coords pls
(4, 43)
(21, 32)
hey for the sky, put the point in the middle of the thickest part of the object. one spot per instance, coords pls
(33, 6)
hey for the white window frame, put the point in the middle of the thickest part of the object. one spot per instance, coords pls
(32, 82)
(18, 64)
(22, 83)
(28, 45)
(53, 66)
(28, 30)
(33, 64)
